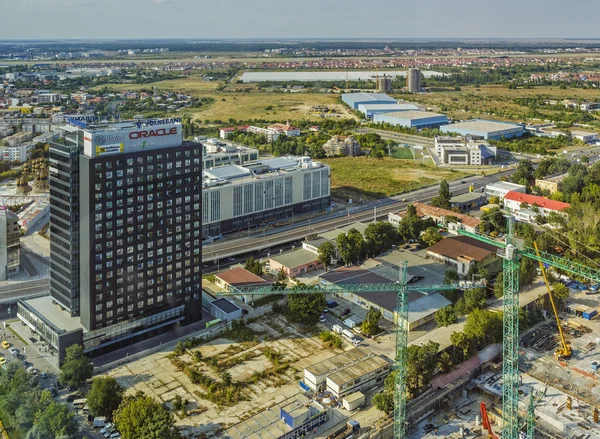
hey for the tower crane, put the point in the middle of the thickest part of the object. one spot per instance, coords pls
(563, 352)
(401, 289)
(511, 253)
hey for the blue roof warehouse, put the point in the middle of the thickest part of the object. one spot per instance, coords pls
(488, 129)
(412, 119)
(355, 99)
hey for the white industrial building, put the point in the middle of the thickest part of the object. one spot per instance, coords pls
(464, 151)
(501, 188)
(488, 129)
(347, 373)
(237, 197)
(218, 153)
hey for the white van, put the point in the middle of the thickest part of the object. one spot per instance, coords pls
(99, 422)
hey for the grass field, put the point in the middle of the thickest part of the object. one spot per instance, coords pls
(230, 103)
(403, 153)
(353, 177)
(498, 102)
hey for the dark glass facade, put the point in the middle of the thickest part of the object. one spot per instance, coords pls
(64, 222)
(140, 235)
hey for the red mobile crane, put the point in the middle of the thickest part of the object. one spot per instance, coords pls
(486, 421)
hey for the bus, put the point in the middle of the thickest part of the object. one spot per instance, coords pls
(213, 323)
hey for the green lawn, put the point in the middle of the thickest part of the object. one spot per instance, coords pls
(402, 153)
(354, 177)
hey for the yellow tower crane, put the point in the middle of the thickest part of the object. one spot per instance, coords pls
(564, 351)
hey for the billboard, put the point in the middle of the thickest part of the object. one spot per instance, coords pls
(131, 139)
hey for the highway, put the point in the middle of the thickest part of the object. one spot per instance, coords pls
(324, 223)
(9, 293)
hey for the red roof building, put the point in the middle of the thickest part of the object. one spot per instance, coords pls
(513, 201)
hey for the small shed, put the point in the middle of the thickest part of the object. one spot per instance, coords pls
(225, 310)
(353, 401)
(589, 313)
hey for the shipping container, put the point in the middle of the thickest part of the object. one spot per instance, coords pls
(353, 401)
(589, 313)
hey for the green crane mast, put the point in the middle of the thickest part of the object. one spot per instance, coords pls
(401, 289)
(511, 252)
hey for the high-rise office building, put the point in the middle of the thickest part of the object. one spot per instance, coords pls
(126, 229)
(414, 80)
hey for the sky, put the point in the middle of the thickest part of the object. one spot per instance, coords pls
(39, 19)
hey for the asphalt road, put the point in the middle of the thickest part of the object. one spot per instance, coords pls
(298, 231)
(9, 293)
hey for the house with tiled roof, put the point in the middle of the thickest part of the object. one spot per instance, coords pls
(463, 252)
(527, 207)
(437, 214)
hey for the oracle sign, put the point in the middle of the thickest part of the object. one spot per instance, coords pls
(144, 134)
(131, 139)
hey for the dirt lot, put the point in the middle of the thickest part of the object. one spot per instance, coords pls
(264, 369)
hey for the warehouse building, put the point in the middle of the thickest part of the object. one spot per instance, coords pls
(369, 110)
(488, 129)
(315, 376)
(468, 201)
(355, 99)
(412, 119)
(238, 197)
(501, 188)
(293, 418)
(421, 307)
(362, 375)
(463, 252)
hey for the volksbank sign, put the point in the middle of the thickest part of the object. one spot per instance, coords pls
(131, 139)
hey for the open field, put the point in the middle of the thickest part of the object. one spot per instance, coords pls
(353, 177)
(243, 105)
(499, 102)
(403, 153)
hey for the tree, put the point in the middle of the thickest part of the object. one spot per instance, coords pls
(484, 326)
(253, 266)
(326, 253)
(105, 396)
(560, 292)
(77, 367)
(474, 299)
(445, 316)
(527, 272)
(370, 325)
(384, 401)
(420, 365)
(442, 200)
(461, 341)
(55, 421)
(144, 417)
(350, 246)
(379, 237)
(499, 285)
(523, 173)
(494, 199)
(431, 236)
(306, 308)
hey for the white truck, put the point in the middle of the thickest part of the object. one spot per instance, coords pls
(350, 323)
(337, 329)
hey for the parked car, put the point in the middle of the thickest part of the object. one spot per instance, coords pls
(322, 319)
(13, 351)
(325, 310)
(5, 344)
(107, 427)
(346, 312)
